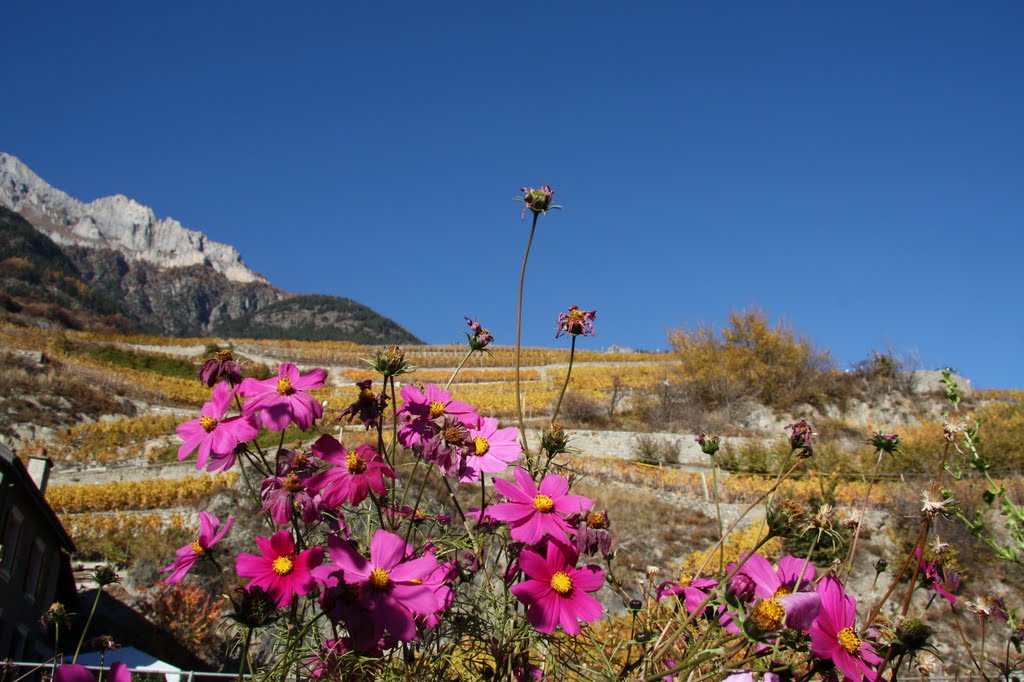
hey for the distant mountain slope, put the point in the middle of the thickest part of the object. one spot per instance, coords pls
(41, 285)
(314, 317)
(165, 278)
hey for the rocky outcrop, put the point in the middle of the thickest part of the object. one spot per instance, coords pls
(116, 223)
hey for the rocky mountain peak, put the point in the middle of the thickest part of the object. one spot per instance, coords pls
(117, 223)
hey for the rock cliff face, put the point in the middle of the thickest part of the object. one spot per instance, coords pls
(117, 223)
(171, 280)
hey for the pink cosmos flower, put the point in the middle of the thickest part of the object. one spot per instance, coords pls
(493, 449)
(281, 400)
(281, 571)
(76, 672)
(189, 554)
(770, 582)
(213, 434)
(280, 495)
(353, 475)
(576, 322)
(834, 633)
(446, 444)
(556, 592)
(934, 576)
(424, 407)
(392, 588)
(691, 591)
(533, 512)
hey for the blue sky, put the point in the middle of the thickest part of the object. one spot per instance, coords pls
(856, 168)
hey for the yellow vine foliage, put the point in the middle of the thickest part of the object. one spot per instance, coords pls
(110, 440)
(124, 495)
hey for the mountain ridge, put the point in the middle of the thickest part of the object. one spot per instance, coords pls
(169, 279)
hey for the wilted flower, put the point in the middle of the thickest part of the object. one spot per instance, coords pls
(986, 606)
(786, 518)
(926, 663)
(536, 200)
(221, 365)
(56, 614)
(709, 445)
(931, 507)
(576, 322)
(368, 406)
(593, 536)
(480, 338)
(801, 437)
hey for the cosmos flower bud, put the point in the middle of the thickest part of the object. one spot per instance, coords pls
(390, 362)
(480, 338)
(105, 575)
(254, 608)
(885, 442)
(709, 445)
(537, 200)
(554, 441)
(911, 635)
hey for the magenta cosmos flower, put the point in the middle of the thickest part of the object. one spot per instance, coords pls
(426, 408)
(576, 322)
(212, 433)
(834, 635)
(353, 475)
(281, 400)
(493, 449)
(190, 554)
(281, 572)
(691, 591)
(392, 588)
(779, 599)
(533, 512)
(76, 672)
(556, 592)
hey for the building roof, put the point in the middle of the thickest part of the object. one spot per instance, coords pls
(21, 479)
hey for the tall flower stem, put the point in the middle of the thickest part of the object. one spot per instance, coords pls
(568, 373)
(863, 511)
(88, 622)
(718, 514)
(244, 664)
(462, 364)
(519, 336)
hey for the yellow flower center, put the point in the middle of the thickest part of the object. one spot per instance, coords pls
(208, 423)
(379, 579)
(436, 409)
(543, 504)
(481, 445)
(300, 460)
(576, 316)
(197, 548)
(292, 483)
(223, 356)
(685, 580)
(366, 394)
(849, 640)
(769, 615)
(355, 463)
(284, 386)
(453, 435)
(283, 565)
(596, 520)
(561, 583)
(783, 591)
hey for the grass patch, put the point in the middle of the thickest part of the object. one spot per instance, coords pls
(159, 364)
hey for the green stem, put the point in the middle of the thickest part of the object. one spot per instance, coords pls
(568, 373)
(863, 512)
(519, 336)
(458, 369)
(244, 664)
(718, 513)
(88, 622)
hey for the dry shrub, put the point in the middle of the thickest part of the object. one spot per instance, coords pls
(190, 613)
(750, 360)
